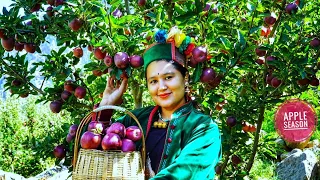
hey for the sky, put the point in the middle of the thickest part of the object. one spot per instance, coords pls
(5, 3)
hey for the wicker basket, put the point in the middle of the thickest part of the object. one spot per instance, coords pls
(96, 164)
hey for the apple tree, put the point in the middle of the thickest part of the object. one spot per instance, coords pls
(257, 54)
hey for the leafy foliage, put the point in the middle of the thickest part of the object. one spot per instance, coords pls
(231, 31)
(28, 135)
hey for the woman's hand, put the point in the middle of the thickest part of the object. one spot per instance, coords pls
(114, 91)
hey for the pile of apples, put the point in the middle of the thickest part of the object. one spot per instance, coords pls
(115, 137)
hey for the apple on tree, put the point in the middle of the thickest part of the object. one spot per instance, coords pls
(78, 52)
(80, 92)
(231, 121)
(121, 60)
(291, 8)
(108, 60)
(8, 43)
(55, 106)
(75, 24)
(199, 54)
(207, 75)
(136, 61)
(315, 42)
(30, 47)
(99, 53)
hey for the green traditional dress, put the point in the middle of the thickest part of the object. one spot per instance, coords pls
(192, 144)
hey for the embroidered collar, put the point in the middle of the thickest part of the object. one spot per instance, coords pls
(179, 112)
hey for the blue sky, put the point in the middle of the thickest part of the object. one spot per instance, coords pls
(5, 3)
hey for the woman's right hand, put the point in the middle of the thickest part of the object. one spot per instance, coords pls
(114, 91)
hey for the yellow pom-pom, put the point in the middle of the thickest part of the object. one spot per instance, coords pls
(178, 38)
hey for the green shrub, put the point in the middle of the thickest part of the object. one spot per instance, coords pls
(29, 133)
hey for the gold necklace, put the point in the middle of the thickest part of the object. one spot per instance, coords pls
(163, 124)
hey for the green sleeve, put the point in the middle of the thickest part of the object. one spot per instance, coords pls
(198, 158)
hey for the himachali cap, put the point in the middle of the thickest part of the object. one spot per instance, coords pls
(163, 51)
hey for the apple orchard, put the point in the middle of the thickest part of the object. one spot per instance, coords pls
(254, 55)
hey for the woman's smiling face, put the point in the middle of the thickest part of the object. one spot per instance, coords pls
(166, 85)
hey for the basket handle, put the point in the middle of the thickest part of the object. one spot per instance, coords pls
(87, 119)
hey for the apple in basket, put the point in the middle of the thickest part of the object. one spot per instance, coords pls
(111, 141)
(96, 126)
(117, 128)
(128, 145)
(133, 133)
(90, 140)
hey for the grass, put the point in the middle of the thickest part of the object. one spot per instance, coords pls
(263, 170)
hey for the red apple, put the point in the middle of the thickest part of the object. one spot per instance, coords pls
(50, 2)
(275, 82)
(269, 77)
(99, 53)
(200, 53)
(136, 61)
(260, 52)
(291, 8)
(314, 81)
(18, 46)
(75, 24)
(260, 61)
(69, 86)
(315, 42)
(90, 48)
(303, 82)
(59, 152)
(78, 52)
(235, 160)
(36, 7)
(7, 43)
(121, 60)
(30, 47)
(50, 12)
(270, 20)
(142, 2)
(55, 106)
(231, 121)
(2, 33)
(65, 95)
(208, 74)
(80, 92)
(16, 82)
(108, 61)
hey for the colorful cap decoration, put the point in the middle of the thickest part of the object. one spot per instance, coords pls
(172, 46)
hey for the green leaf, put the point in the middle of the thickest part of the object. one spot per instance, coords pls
(61, 50)
(5, 11)
(225, 42)
(199, 6)
(91, 78)
(241, 38)
(197, 73)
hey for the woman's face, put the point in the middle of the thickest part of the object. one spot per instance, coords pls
(166, 85)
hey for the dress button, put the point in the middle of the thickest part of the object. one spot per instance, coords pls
(169, 140)
(172, 126)
(165, 156)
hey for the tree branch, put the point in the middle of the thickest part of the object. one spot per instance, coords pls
(23, 79)
(256, 138)
(127, 6)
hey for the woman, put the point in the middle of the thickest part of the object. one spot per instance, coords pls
(181, 142)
